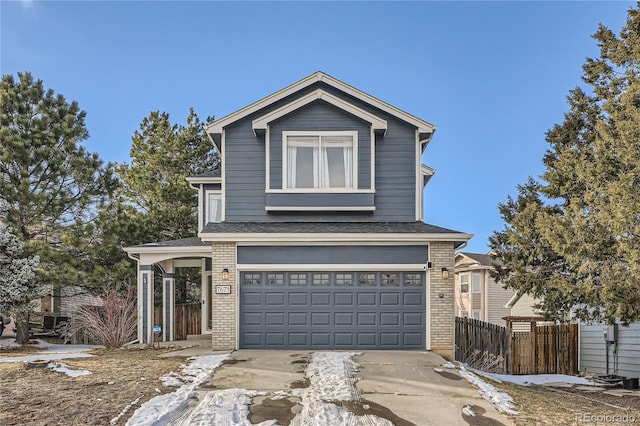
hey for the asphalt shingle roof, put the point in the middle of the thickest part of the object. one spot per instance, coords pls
(184, 242)
(483, 259)
(325, 227)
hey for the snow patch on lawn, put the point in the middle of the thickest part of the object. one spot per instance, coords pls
(501, 400)
(162, 409)
(538, 379)
(54, 352)
(8, 344)
(60, 367)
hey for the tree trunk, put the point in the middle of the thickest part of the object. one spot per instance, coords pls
(22, 332)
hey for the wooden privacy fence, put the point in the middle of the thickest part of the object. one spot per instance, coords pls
(188, 319)
(550, 349)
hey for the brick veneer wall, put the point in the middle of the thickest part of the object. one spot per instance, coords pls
(441, 311)
(223, 306)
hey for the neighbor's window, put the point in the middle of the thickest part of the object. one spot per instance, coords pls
(476, 314)
(464, 283)
(214, 210)
(476, 281)
(318, 160)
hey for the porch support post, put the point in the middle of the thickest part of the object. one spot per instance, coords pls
(168, 301)
(145, 304)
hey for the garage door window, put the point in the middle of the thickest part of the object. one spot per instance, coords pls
(390, 279)
(252, 279)
(320, 279)
(275, 279)
(413, 279)
(344, 279)
(298, 279)
(367, 279)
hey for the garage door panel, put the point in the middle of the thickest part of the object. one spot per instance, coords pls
(320, 338)
(390, 299)
(274, 298)
(320, 299)
(252, 298)
(252, 318)
(412, 318)
(343, 319)
(390, 318)
(366, 298)
(298, 298)
(343, 339)
(298, 318)
(366, 339)
(366, 318)
(274, 318)
(343, 298)
(320, 318)
(378, 315)
(298, 339)
(275, 339)
(413, 298)
(390, 339)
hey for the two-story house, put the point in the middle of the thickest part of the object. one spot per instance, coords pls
(477, 295)
(311, 234)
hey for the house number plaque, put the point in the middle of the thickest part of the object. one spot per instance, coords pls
(223, 289)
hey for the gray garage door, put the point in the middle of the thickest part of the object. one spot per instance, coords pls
(332, 310)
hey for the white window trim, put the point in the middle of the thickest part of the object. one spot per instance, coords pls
(207, 194)
(473, 290)
(352, 133)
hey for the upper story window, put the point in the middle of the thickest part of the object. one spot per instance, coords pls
(476, 282)
(214, 207)
(464, 282)
(320, 160)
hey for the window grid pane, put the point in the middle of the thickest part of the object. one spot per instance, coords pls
(298, 279)
(275, 279)
(367, 279)
(390, 279)
(413, 279)
(344, 279)
(252, 279)
(320, 279)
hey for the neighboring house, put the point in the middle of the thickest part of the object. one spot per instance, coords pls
(58, 305)
(522, 305)
(477, 295)
(610, 350)
(311, 234)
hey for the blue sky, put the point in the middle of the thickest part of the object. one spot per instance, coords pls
(493, 76)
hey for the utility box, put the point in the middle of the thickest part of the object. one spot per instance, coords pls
(612, 333)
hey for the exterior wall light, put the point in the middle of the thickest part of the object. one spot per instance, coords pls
(445, 273)
(225, 274)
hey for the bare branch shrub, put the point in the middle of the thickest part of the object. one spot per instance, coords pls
(113, 324)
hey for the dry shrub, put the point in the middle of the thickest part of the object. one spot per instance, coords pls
(113, 324)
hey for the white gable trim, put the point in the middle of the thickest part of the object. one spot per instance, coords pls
(262, 123)
(424, 128)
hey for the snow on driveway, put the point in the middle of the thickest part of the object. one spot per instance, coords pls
(331, 376)
(164, 409)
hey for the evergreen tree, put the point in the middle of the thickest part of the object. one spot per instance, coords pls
(163, 155)
(53, 186)
(581, 248)
(18, 286)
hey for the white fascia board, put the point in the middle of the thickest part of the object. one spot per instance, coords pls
(514, 299)
(318, 237)
(421, 125)
(390, 267)
(426, 170)
(323, 208)
(261, 123)
(207, 179)
(179, 251)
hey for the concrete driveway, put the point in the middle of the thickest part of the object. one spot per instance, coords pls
(401, 386)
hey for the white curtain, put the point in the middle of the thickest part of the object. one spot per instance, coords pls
(348, 166)
(323, 181)
(292, 169)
